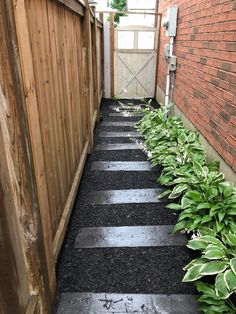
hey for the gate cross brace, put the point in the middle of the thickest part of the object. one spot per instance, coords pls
(135, 74)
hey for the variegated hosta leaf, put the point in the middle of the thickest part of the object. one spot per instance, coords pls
(221, 287)
(197, 244)
(230, 280)
(233, 265)
(230, 239)
(193, 273)
(214, 252)
(213, 268)
(196, 261)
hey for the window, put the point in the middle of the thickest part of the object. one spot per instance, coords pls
(125, 40)
(146, 40)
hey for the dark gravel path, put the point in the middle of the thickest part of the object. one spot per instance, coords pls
(120, 270)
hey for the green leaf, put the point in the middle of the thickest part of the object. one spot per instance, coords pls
(205, 205)
(197, 168)
(186, 202)
(215, 309)
(214, 252)
(227, 188)
(233, 265)
(213, 165)
(180, 180)
(205, 231)
(221, 215)
(213, 268)
(178, 190)
(212, 192)
(174, 206)
(191, 137)
(206, 218)
(197, 244)
(179, 226)
(212, 240)
(165, 193)
(165, 179)
(231, 211)
(230, 239)
(182, 138)
(210, 300)
(193, 273)
(221, 288)
(194, 195)
(194, 262)
(205, 288)
(230, 280)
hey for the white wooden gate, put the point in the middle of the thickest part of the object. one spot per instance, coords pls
(135, 62)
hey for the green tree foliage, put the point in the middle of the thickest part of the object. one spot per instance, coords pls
(119, 5)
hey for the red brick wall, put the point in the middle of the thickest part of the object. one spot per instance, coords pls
(205, 82)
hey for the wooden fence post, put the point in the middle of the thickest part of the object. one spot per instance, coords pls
(102, 52)
(158, 38)
(112, 43)
(89, 71)
(95, 65)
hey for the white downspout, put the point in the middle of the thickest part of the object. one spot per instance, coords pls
(167, 95)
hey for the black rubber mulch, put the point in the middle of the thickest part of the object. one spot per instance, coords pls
(125, 270)
(122, 155)
(115, 215)
(115, 180)
(126, 128)
(121, 270)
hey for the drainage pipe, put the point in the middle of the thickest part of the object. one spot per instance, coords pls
(167, 96)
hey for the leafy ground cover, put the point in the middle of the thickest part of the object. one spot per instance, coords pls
(206, 205)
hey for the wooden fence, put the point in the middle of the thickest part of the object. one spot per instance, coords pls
(51, 85)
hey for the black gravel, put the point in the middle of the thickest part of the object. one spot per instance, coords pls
(121, 270)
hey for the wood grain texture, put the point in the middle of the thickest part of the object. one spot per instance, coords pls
(58, 239)
(23, 263)
(112, 47)
(50, 94)
(88, 73)
(32, 110)
(74, 5)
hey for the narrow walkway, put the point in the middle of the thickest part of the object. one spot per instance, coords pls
(119, 255)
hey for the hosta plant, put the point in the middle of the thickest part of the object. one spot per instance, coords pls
(210, 303)
(218, 259)
(211, 205)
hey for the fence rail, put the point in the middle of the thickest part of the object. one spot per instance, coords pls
(54, 69)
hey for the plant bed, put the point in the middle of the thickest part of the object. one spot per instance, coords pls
(206, 205)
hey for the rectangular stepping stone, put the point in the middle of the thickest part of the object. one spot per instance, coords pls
(117, 123)
(121, 166)
(114, 303)
(119, 134)
(134, 196)
(117, 146)
(126, 107)
(125, 114)
(128, 236)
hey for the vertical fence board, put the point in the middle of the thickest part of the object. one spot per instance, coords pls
(34, 127)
